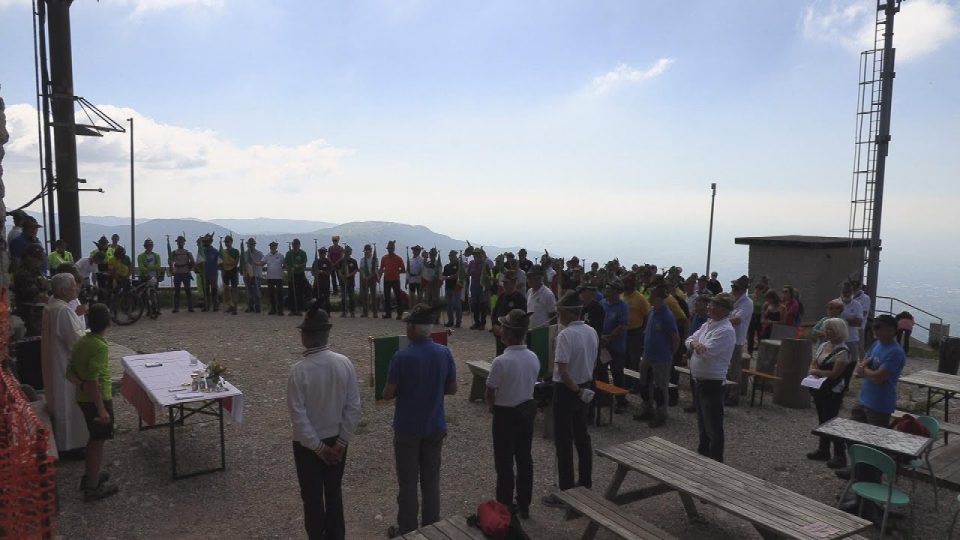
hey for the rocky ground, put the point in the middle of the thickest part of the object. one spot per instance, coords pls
(257, 496)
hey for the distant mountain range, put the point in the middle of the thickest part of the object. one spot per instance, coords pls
(354, 234)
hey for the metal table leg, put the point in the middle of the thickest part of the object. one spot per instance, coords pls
(173, 444)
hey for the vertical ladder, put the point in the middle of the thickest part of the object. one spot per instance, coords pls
(872, 137)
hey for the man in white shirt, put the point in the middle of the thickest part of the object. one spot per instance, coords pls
(414, 273)
(864, 300)
(252, 272)
(852, 313)
(712, 346)
(324, 405)
(510, 384)
(273, 261)
(576, 352)
(740, 319)
(541, 302)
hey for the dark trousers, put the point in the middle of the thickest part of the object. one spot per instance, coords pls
(347, 296)
(634, 347)
(391, 290)
(708, 399)
(828, 407)
(322, 291)
(181, 280)
(454, 306)
(210, 293)
(418, 461)
(275, 293)
(753, 331)
(298, 292)
(479, 305)
(570, 429)
(320, 489)
(512, 443)
(618, 360)
(253, 294)
(335, 281)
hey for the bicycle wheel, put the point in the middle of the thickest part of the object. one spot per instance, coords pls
(127, 308)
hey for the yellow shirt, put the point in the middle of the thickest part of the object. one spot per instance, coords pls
(676, 310)
(638, 307)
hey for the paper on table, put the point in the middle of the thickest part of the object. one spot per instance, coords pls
(189, 395)
(812, 381)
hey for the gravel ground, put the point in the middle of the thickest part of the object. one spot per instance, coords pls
(257, 496)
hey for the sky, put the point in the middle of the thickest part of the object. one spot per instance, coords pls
(590, 128)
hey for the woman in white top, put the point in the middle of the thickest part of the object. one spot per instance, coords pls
(831, 362)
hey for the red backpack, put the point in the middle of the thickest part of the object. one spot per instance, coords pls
(493, 518)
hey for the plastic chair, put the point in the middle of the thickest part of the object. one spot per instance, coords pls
(880, 493)
(933, 426)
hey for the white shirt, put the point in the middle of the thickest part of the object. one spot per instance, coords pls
(513, 374)
(323, 398)
(274, 265)
(692, 300)
(85, 267)
(852, 310)
(743, 309)
(541, 303)
(548, 274)
(719, 338)
(864, 301)
(251, 269)
(416, 268)
(577, 347)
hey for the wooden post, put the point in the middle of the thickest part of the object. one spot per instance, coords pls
(949, 355)
(792, 366)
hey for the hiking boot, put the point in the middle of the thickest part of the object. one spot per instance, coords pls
(659, 418)
(837, 462)
(553, 501)
(104, 476)
(646, 413)
(102, 491)
(819, 455)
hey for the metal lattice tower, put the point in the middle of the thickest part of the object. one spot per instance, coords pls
(873, 139)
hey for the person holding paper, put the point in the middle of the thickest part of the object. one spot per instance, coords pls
(576, 352)
(833, 364)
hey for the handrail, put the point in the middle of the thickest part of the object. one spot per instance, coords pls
(911, 306)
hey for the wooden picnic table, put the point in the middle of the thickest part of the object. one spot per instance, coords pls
(453, 528)
(773, 510)
(888, 440)
(935, 382)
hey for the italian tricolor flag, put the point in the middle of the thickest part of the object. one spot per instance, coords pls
(383, 351)
(543, 342)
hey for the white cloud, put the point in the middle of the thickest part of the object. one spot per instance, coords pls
(180, 171)
(921, 27)
(624, 74)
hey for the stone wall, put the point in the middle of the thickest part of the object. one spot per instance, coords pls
(816, 272)
(4, 253)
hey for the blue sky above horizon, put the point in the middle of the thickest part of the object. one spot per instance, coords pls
(557, 120)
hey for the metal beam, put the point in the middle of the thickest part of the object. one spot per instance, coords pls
(64, 128)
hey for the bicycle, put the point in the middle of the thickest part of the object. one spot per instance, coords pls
(127, 304)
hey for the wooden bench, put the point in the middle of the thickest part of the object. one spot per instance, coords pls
(763, 377)
(686, 371)
(634, 375)
(454, 528)
(611, 391)
(602, 513)
(480, 370)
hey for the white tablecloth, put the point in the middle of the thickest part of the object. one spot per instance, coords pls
(148, 389)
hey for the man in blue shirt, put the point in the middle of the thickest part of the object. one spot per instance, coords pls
(880, 368)
(661, 338)
(211, 258)
(614, 336)
(419, 377)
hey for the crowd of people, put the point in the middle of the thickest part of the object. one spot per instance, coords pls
(610, 318)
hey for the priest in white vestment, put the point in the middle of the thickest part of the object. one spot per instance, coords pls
(61, 329)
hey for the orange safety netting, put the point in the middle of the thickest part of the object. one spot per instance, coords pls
(27, 480)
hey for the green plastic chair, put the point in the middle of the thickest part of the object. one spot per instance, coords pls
(933, 426)
(880, 493)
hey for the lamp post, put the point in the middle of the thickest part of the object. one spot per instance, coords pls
(133, 222)
(713, 199)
